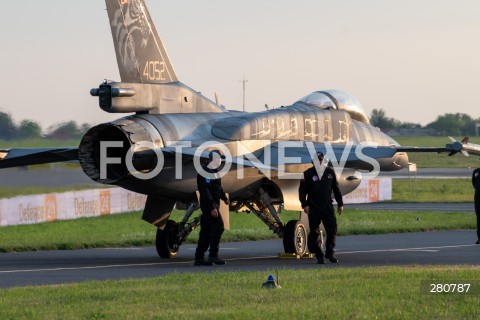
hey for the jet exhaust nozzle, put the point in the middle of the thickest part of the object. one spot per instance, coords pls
(94, 158)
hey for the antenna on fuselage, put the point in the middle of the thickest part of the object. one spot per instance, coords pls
(244, 81)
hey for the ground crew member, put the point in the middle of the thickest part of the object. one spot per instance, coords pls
(316, 198)
(476, 185)
(211, 223)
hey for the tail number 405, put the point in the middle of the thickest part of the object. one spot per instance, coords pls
(154, 70)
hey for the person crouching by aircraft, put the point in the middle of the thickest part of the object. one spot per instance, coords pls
(211, 223)
(315, 195)
(476, 185)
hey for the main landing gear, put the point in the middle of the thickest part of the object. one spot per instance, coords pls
(169, 239)
(295, 238)
(267, 209)
(294, 233)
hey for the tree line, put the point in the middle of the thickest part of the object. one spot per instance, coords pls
(29, 129)
(454, 124)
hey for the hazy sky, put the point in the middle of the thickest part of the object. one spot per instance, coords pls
(415, 59)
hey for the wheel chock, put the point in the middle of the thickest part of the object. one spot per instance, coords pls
(283, 255)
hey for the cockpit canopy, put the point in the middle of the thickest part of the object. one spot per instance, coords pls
(336, 99)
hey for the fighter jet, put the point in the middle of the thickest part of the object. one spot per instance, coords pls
(156, 149)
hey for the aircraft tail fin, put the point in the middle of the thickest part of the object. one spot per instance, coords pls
(141, 55)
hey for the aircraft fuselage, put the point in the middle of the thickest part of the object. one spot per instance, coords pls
(252, 131)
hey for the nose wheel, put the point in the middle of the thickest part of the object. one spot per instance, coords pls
(295, 238)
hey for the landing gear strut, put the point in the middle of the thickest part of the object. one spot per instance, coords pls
(169, 239)
(264, 209)
(294, 233)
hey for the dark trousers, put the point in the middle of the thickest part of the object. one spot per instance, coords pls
(477, 212)
(211, 230)
(330, 223)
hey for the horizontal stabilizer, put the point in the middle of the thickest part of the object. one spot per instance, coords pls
(26, 156)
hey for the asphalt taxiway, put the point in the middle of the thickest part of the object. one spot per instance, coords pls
(59, 267)
(414, 206)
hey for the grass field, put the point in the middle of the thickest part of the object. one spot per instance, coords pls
(432, 190)
(333, 293)
(129, 230)
(432, 160)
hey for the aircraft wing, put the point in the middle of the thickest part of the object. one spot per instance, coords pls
(350, 153)
(463, 147)
(26, 156)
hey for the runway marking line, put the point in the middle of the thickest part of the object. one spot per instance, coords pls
(124, 265)
(432, 249)
(97, 267)
(193, 249)
(429, 249)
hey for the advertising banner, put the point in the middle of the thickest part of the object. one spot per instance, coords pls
(97, 202)
(371, 190)
(68, 205)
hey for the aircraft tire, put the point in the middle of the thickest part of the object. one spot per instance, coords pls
(295, 238)
(167, 246)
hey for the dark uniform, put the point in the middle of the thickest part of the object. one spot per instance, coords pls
(317, 195)
(476, 185)
(211, 227)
